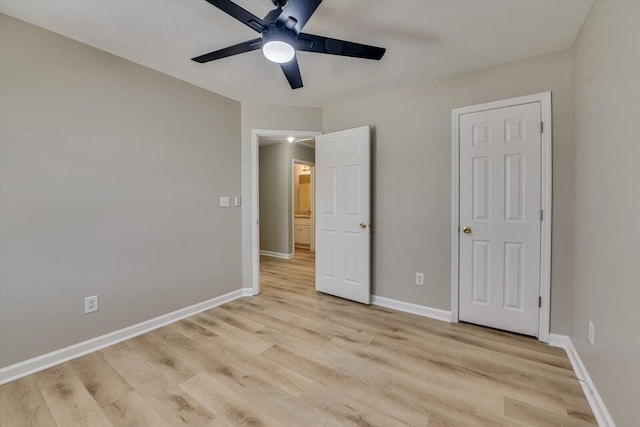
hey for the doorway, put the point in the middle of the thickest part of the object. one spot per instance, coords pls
(282, 233)
(343, 203)
(501, 232)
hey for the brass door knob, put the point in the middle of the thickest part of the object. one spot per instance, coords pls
(363, 225)
(466, 230)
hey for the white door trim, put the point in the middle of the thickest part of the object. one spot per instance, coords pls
(293, 200)
(255, 196)
(545, 227)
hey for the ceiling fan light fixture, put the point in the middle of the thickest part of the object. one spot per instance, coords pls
(280, 37)
(278, 51)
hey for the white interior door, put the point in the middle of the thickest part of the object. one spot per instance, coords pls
(343, 214)
(500, 184)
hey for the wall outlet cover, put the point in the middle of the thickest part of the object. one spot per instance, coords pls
(91, 304)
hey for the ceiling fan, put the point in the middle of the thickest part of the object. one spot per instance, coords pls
(281, 36)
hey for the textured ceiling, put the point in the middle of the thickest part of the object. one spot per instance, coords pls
(424, 40)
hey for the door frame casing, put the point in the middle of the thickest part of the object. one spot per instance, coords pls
(545, 200)
(255, 195)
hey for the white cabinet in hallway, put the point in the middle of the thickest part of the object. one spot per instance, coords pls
(302, 228)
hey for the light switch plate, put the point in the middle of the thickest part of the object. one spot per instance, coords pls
(237, 201)
(224, 201)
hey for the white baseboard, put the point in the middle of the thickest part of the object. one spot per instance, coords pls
(420, 310)
(39, 363)
(277, 254)
(556, 340)
(588, 387)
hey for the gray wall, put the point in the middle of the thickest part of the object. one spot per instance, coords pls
(109, 186)
(272, 117)
(274, 206)
(411, 172)
(607, 204)
(275, 191)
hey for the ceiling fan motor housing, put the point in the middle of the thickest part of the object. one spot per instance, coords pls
(276, 34)
(271, 17)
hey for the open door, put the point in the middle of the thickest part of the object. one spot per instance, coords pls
(343, 232)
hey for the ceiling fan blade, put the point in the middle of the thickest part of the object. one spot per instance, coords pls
(321, 44)
(243, 47)
(291, 71)
(296, 14)
(242, 15)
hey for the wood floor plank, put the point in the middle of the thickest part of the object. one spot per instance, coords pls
(360, 388)
(578, 408)
(53, 375)
(351, 410)
(533, 415)
(249, 340)
(132, 410)
(22, 404)
(175, 406)
(278, 375)
(231, 319)
(293, 356)
(219, 355)
(327, 329)
(101, 381)
(430, 386)
(72, 405)
(228, 406)
(499, 372)
(309, 335)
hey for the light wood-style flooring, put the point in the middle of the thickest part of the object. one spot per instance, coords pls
(294, 357)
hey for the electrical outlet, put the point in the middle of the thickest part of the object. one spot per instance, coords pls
(91, 304)
(592, 332)
(420, 279)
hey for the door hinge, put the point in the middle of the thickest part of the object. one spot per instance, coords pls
(541, 127)
(541, 215)
(539, 302)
